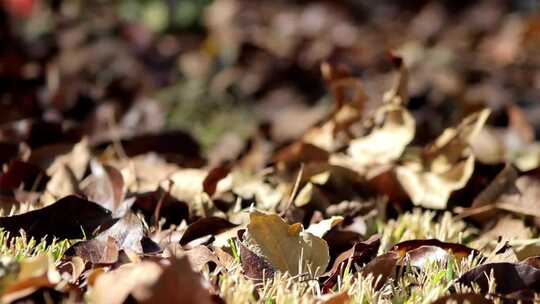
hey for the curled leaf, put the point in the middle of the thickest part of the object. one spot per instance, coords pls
(510, 277)
(429, 176)
(393, 129)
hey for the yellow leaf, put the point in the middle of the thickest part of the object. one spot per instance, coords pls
(286, 247)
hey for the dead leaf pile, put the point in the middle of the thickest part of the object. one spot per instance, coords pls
(313, 196)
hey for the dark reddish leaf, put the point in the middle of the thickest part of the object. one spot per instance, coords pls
(8, 151)
(37, 133)
(525, 296)
(71, 217)
(20, 173)
(214, 176)
(44, 295)
(44, 156)
(360, 254)
(533, 261)
(205, 226)
(382, 267)
(172, 210)
(424, 255)
(509, 277)
(254, 266)
(340, 241)
(457, 250)
(386, 183)
(301, 152)
(175, 145)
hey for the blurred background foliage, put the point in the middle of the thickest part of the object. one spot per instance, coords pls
(221, 67)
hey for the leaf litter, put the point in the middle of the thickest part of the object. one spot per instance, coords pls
(380, 199)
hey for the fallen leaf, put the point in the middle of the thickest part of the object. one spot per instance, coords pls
(300, 152)
(171, 209)
(127, 232)
(175, 145)
(205, 226)
(172, 281)
(201, 255)
(85, 217)
(360, 254)
(457, 250)
(510, 277)
(381, 268)
(286, 247)
(321, 228)
(187, 185)
(94, 251)
(430, 175)
(123, 281)
(255, 267)
(35, 273)
(393, 129)
(23, 174)
(178, 283)
(507, 192)
(213, 177)
(500, 184)
(106, 187)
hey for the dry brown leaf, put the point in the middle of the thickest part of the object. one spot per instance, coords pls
(254, 187)
(393, 130)
(381, 268)
(123, 281)
(35, 273)
(507, 228)
(94, 251)
(286, 247)
(431, 175)
(507, 192)
(201, 255)
(172, 281)
(144, 173)
(514, 144)
(106, 187)
(187, 184)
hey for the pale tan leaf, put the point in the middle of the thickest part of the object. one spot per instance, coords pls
(394, 129)
(304, 195)
(321, 228)
(433, 190)
(170, 281)
(430, 175)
